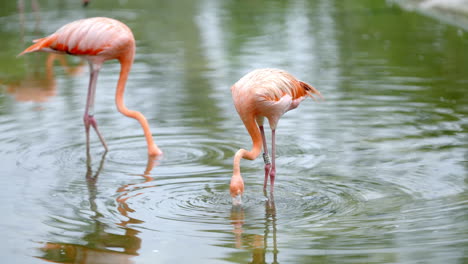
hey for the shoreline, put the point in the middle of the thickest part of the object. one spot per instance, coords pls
(454, 12)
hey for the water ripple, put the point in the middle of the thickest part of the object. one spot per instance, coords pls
(188, 155)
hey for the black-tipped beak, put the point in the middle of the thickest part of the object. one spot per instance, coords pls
(85, 3)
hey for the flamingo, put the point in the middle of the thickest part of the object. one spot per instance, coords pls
(264, 93)
(97, 40)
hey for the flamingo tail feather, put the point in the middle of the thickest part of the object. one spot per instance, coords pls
(311, 91)
(39, 44)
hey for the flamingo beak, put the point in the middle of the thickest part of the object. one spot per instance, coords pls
(237, 200)
(85, 3)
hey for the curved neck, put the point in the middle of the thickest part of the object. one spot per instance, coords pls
(254, 132)
(125, 66)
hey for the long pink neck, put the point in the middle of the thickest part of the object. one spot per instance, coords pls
(126, 64)
(254, 132)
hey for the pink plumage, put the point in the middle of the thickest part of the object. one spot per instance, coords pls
(264, 93)
(99, 36)
(98, 39)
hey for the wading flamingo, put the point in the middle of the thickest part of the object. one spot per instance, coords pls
(98, 39)
(264, 93)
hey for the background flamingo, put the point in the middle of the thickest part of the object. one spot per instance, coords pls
(264, 93)
(97, 40)
(36, 10)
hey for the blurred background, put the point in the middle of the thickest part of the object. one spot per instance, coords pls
(375, 173)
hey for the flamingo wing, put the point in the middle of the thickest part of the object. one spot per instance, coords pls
(93, 36)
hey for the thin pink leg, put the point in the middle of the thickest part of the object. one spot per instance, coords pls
(266, 158)
(273, 165)
(88, 117)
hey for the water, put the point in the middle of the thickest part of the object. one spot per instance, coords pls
(376, 173)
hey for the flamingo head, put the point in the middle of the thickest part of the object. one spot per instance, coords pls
(236, 189)
(154, 151)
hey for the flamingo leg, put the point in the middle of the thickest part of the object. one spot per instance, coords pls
(88, 117)
(273, 164)
(266, 158)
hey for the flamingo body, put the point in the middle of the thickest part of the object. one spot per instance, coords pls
(98, 39)
(264, 93)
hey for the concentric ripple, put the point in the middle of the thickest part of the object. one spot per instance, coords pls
(182, 154)
(199, 201)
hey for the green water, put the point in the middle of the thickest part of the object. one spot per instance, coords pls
(375, 173)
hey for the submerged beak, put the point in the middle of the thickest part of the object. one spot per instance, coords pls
(237, 200)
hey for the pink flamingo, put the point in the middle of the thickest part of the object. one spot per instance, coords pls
(97, 40)
(264, 93)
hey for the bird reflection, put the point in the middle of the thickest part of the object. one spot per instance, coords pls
(257, 243)
(100, 246)
(38, 86)
(123, 208)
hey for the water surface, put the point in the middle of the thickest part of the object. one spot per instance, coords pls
(375, 173)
